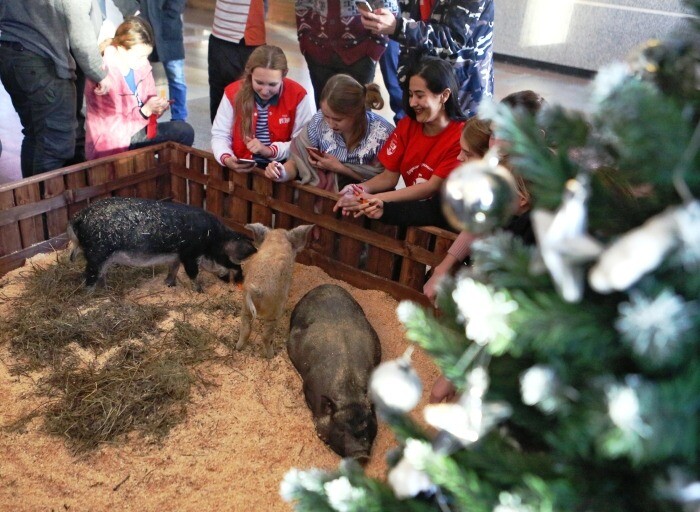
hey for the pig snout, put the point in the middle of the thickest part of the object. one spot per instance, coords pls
(351, 431)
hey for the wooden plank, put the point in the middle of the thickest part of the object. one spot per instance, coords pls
(145, 188)
(214, 197)
(31, 228)
(178, 184)
(412, 272)
(350, 247)
(379, 261)
(76, 180)
(101, 174)
(260, 210)
(10, 237)
(124, 167)
(284, 193)
(360, 278)
(17, 259)
(196, 189)
(56, 218)
(237, 208)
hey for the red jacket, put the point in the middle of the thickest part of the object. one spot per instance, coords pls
(281, 116)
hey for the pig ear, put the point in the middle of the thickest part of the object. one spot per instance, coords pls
(298, 236)
(259, 232)
(328, 406)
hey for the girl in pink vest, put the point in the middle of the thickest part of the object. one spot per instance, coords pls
(117, 121)
(260, 114)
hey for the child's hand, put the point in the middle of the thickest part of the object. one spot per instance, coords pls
(276, 172)
(258, 148)
(233, 163)
(326, 162)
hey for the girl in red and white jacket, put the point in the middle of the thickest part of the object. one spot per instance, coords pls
(260, 114)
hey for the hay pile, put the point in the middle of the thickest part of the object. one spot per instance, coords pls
(175, 417)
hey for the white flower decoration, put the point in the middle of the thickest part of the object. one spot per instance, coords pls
(653, 327)
(508, 502)
(486, 313)
(342, 496)
(608, 79)
(296, 481)
(623, 407)
(406, 480)
(405, 310)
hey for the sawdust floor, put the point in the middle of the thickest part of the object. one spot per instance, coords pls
(239, 439)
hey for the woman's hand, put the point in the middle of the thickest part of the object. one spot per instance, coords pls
(155, 105)
(379, 21)
(372, 208)
(233, 163)
(258, 148)
(327, 162)
(276, 172)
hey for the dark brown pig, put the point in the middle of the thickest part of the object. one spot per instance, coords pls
(334, 348)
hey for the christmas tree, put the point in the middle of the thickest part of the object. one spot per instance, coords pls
(577, 361)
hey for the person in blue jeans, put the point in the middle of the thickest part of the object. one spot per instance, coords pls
(165, 16)
(389, 64)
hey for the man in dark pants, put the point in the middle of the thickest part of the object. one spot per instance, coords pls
(38, 72)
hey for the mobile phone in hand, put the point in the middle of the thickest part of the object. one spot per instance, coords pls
(246, 161)
(363, 5)
(315, 152)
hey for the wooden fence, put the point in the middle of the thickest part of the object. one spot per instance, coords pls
(34, 214)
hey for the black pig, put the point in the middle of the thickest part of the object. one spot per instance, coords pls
(145, 232)
(334, 348)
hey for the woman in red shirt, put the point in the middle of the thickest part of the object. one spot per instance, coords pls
(424, 147)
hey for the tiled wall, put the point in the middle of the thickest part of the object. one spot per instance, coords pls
(583, 34)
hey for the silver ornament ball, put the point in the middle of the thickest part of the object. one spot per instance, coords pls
(479, 197)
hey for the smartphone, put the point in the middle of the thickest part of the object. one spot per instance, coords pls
(363, 5)
(246, 161)
(315, 152)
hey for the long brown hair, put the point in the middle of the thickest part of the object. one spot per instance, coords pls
(265, 56)
(132, 31)
(347, 97)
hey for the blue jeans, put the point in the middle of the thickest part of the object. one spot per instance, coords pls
(46, 106)
(177, 89)
(389, 64)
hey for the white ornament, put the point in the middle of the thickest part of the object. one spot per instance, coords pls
(653, 327)
(342, 496)
(538, 386)
(485, 313)
(470, 418)
(408, 477)
(623, 407)
(563, 242)
(642, 249)
(395, 385)
(296, 481)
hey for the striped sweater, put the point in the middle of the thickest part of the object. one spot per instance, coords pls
(238, 19)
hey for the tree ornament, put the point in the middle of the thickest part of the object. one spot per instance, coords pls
(479, 196)
(395, 386)
(485, 313)
(642, 249)
(342, 496)
(408, 477)
(656, 327)
(563, 242)
(470, 418)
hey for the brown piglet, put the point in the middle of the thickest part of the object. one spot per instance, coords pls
(267, 277)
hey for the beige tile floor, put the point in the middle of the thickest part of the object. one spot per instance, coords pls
(556, 88)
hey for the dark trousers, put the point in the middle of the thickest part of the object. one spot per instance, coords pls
(45, 105)
(175, 131)
(389, 64)
(362, 71)
(226, 62)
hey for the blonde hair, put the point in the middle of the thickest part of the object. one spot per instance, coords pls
(132, 31)
(267, 57)
(477, 134)
(347, 97)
